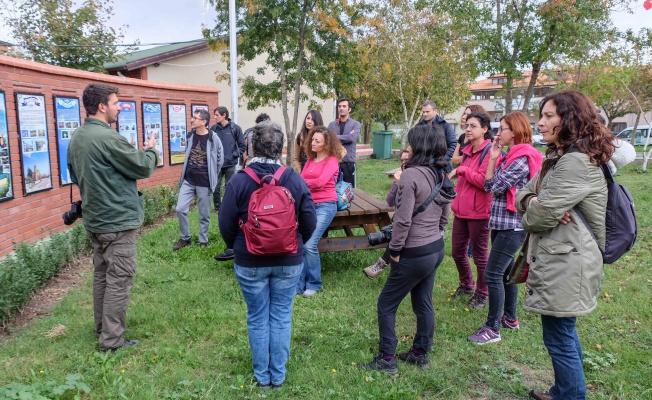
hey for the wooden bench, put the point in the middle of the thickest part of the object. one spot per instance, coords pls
(365, 212)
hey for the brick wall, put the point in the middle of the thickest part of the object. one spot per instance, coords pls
(35, 216)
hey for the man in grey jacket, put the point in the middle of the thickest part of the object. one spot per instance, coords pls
(347, 130)
(204, 159)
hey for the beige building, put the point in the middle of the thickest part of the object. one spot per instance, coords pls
(193, 63)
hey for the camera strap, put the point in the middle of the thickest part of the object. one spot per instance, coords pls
(71, 193)
(430, 198)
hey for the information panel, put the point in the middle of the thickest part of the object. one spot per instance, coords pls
(177, 128)
(6, 183)
(68, 119)
(196, 107)
(34, 145)
(153, 125)
(127, 126)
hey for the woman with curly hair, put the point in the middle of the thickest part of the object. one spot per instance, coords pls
(565, 257)
(324, 152)
(461, 140)
(312, 119)
(505, 175)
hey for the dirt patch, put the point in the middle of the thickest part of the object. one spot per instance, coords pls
(536, 378)
(47, 297)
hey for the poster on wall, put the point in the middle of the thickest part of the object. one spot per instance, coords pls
(6, 183)
(177, 128)
(67, 120)
(196, 107)
(127, 126)
(153, 125)
(34, 145)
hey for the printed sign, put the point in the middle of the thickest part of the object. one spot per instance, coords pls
(67, 119)
(34, 145)
(6, 182)
(153, 125)
(127, 122)
(178, 133)
(196, 107)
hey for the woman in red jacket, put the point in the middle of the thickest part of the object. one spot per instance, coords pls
(471, 209)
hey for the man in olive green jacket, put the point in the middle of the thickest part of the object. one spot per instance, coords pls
(106, 166)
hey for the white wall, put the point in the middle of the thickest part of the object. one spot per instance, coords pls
(201, 68)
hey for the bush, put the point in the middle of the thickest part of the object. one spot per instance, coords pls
(32, 264)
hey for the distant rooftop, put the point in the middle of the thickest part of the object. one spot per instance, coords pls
(143, 58)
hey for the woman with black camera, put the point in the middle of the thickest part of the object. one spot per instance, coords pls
(415, 250)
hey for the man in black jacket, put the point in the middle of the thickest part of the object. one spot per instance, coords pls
(429, 115)
(230, 134)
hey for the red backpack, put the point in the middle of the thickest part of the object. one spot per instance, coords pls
(271, 228)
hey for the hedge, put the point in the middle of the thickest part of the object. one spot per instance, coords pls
(33, 264)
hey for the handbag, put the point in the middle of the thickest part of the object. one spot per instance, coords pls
(521, 268)
(344, 192)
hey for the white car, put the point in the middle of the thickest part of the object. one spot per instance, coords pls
(643, 134)
(537, 138)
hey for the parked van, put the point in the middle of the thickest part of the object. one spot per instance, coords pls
(642, 134)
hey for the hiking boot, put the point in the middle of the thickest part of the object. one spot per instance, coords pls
(181, 243)
(409, 357)
(226, 255)
(376, 269)
(381, 365)
(126, 343)
(505, 323)
(540, 395)
(485, 335)
(463, 291)
(478, 301)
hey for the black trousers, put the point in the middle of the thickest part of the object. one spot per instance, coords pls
(415, 276)
(348, 170)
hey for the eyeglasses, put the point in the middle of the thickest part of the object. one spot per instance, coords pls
(463, 127)
(500, 129)
(472, 126)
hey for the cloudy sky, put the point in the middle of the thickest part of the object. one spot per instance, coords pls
(163, 21)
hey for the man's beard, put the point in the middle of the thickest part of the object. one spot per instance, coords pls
(112, 119)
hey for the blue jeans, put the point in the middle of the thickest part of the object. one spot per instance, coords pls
(502, 297)
(311, 274)
(563, 344)
(269, 293)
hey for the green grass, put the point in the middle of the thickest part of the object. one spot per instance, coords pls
(189, 314)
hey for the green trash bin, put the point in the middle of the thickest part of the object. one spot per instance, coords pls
(383, 144)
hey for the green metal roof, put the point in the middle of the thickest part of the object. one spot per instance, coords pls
(156, 54)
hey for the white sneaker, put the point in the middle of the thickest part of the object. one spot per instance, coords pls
(375, 270)
(308, 293)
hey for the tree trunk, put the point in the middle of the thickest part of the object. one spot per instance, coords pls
(367, 133)
(632, 140)
(508, 94)
(536, 69)
(297, 85)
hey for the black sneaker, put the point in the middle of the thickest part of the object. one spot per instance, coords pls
(226, 255)
(381, 365)
(126, 343)
(463, 291)
(409, 357)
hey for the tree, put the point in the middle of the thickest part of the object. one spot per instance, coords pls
(410, 55)
(528, 34)
(301, 41)
(39, 24)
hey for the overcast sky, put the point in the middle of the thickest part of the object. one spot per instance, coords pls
(162, 21)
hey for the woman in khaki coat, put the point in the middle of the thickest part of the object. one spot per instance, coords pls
(566, 267)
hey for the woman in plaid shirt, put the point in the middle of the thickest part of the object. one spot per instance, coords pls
(506, 173)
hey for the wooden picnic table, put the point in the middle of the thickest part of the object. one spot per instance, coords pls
(365, 212)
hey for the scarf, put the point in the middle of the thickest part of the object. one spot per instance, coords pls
(534, 160)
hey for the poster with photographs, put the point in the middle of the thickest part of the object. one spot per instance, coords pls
(68, 119)
(6, 183)
(196, 107)
(34, 145)
(153, 122)
(177, 128)
(127, 126)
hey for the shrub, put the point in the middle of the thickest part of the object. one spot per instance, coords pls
(32, 264)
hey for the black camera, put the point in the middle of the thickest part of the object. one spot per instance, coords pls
(384, 236)
(69, 217)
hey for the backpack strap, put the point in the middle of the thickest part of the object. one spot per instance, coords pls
(252, 174)
(430, 198)
(482, 155)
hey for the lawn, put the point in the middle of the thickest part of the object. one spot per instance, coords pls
(189, 314)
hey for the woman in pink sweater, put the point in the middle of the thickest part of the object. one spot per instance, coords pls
(471, 209)
(324, 152)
